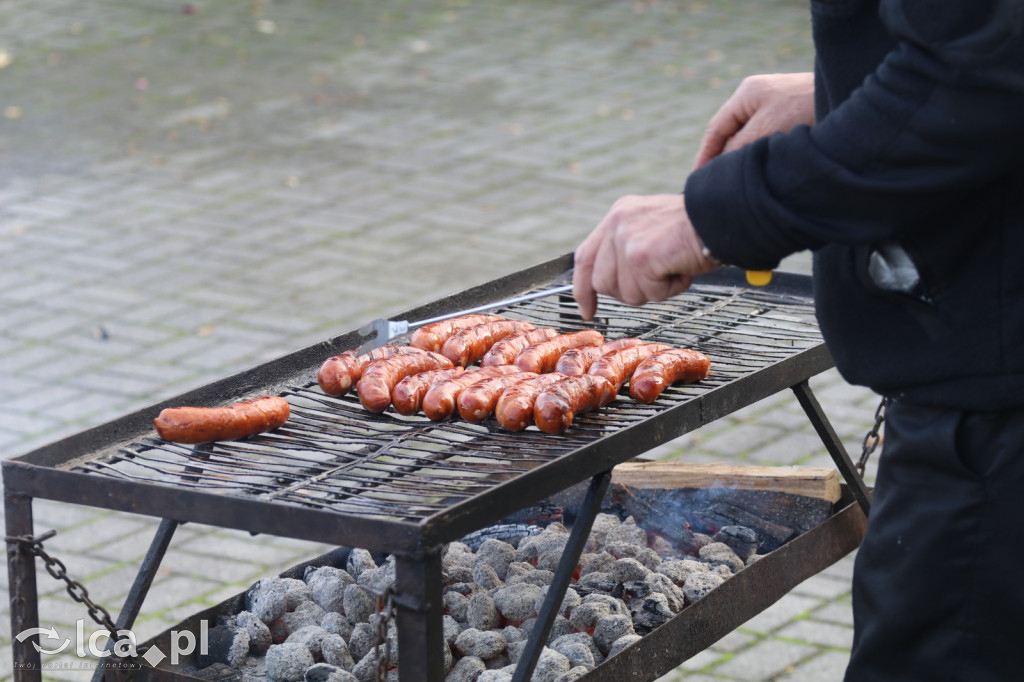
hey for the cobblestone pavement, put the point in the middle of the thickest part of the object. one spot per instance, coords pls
(190, 188)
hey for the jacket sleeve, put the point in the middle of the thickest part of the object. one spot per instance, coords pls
(941, 117)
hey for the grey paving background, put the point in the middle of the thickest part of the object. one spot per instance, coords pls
(190, 188)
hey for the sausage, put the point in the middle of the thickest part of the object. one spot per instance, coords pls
(339, 374)
(380, 378)
(677, 365)
(619, 365)
(208, 424)
(557, 405)
(477, 401)
(542, 357)
(432, 336)
(504, 352)
(514, 409)
(439, 402)
(468, 345)
(578, 360)
(407, 395)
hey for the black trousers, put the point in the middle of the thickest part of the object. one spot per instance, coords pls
(938, 587)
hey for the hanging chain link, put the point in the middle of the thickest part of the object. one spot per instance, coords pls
(56, 568)
(385, 614)
(873, 437)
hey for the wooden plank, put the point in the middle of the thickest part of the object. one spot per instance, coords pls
(817, 482)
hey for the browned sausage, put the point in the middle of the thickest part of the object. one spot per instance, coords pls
(432, 336)
(439, 402)
(514, 409)
(339, 374)
(677, 365)
(381, 377)
(407, 396)
(619, 365)
(468, 345)
(542, 357)
(477, 401)
(557, 405)
(208, 424)
(578, 360)
(504, 352)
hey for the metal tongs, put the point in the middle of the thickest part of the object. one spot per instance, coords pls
(385, 330)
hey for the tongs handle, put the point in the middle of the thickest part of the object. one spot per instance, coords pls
(489, 306)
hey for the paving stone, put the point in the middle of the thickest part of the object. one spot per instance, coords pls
(765, 660)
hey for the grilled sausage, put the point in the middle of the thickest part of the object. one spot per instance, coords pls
(432, 336)
(477, 401)
(407, 395)
(468, 345)
(578, 360)
(339, 374)
(557, 405)
(380, 378)
(208, 424)
(542, 357)
(504, 352)
(619, 365)
(514, 409)
(677, 365)
(439, 402)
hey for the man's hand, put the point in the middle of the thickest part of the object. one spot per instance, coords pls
(645, 249)
(761, 105)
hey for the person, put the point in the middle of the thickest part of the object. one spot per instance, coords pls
(899, 163)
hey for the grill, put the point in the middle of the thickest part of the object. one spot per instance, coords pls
(336, 473)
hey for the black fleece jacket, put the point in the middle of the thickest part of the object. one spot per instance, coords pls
(918, 149)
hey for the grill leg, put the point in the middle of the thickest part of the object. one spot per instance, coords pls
(563, 575)
(834, 445)
(420, 631)
(21, 573)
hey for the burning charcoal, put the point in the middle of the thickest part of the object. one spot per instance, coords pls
(498, 662)
(754, 558)
(578, 638)
(548, 559)
(363, 638)
(550, 665)
(674, 596)
(628, 532)
(358, 604)
(650, 612)
(456, 604)
(481, 612)
(698, 585)
(584, 617)
(335, 652)
(538, 576)
(609, 628)
(379, 579)
(719, 553)
(310, 637)
(288, 662)
(550, 541)
(465, 589)
(327, 586)
(615, 605)
(359, 560)
(516, 569)
(336, 624)
(513, 634)
(254, 668)
(515, 650)
(449, 657)
(485, 576)
(741, 539)
(635, 589)
(305, 614)
(323, 672)
(225, 644)
(466, 669)
(515, 602)
(595, 583)
(622, 643)
(459, 574)
(572, 674)
(498, 555)
(722, 570)
(600, 562)
(494, 676)
(577, 653)
(271, 598)
(484, 644)
(625, 570)
(599, 531)
(451, 628)
(662, 547)
(679, 571)
(366, 669)
(642, 554)
(570, 600)
(259, 633)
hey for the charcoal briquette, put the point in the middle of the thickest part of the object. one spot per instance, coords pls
(324, 672)
(224, 644)
(288, 662)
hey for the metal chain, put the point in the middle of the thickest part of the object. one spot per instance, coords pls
(55, 567)
(873, 437)
(386, 613)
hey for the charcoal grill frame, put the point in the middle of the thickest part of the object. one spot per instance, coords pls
(44, 473)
